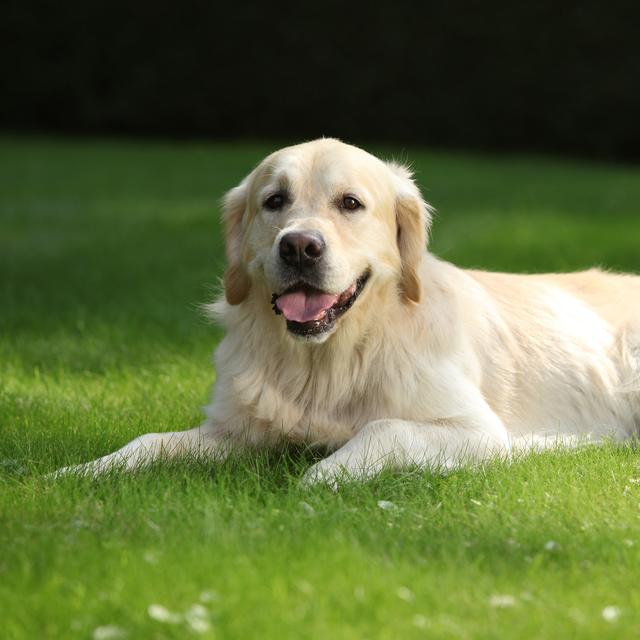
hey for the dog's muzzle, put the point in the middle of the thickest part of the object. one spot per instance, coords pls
(310, 311)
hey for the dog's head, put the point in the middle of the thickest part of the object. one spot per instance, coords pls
(318, 226)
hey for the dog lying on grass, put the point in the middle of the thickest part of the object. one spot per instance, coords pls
(343, 331)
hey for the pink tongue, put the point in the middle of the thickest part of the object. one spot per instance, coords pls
(303, 306)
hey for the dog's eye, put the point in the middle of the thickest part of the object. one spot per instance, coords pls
(274, 202)
(350, 203)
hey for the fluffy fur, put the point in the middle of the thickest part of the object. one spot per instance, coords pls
(432, 366)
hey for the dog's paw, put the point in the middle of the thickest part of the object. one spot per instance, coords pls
(86, 470)
(324, 473)
(59, 473)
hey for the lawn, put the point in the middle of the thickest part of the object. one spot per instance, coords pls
(107, 249)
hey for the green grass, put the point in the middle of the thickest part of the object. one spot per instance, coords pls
(106, 251)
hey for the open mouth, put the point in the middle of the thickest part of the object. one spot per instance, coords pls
(309, 311)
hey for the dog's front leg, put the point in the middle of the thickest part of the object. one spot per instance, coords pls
(205, 440)
(440, 445)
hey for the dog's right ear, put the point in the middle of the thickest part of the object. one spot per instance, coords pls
(236, 278)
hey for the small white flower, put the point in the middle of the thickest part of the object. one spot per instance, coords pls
(197, 618)
(198, 625)
(611, 613)
(405, 594)
(198, 611)
(307, 508)
(502, 601)
(634, 480)
(386, 505)
(153, 526)
(550, 545)
(209, 596)
(162, 614)
(108, 632)
(476, 502)
(419, 621)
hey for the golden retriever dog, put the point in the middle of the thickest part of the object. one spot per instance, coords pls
(344, 331)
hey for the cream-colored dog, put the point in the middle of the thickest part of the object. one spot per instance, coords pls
(342, 330)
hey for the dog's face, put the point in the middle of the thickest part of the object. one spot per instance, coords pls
(319, 224)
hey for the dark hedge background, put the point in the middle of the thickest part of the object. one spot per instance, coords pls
(545, 75)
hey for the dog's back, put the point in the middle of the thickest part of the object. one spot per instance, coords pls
(571, 346)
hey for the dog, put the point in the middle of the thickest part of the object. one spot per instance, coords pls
(343, 331)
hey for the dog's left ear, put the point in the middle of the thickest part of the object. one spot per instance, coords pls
(236, 278)
(413, 222)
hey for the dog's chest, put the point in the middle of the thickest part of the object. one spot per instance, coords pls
(315, 406)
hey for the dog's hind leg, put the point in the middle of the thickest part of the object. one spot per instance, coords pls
(201, 441)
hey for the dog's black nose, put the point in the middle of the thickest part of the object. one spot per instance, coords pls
(301, 248)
